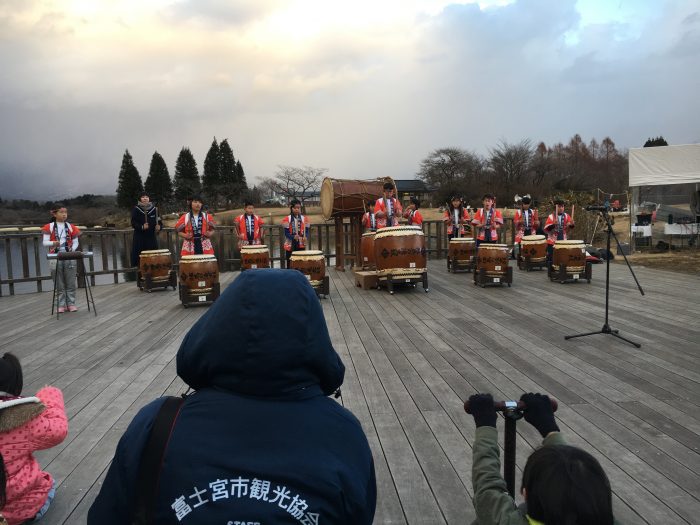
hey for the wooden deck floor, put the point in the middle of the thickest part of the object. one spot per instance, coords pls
(411, 360)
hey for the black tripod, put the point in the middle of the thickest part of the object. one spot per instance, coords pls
(606, 327)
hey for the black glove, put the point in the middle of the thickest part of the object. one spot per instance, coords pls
(539, 413)
(482, 408)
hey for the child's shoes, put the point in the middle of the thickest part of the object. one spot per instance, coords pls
(61, 309)
(72, 308)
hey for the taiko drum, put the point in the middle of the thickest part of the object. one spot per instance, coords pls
(157, 263)
(199, 272)
(400, 250)
(534, 246)
(461, 249)
(493, 258)
(571, 254)
(367, 250)
(311, 263)
(255, 256)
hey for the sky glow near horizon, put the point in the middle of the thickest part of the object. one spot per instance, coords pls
(363, 88)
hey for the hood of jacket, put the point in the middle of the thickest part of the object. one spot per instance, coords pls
(265, 336)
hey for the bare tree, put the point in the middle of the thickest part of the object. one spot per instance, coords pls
(511, 162)
(451, 171)
(296, 183)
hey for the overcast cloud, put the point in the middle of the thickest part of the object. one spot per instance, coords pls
(363, 88)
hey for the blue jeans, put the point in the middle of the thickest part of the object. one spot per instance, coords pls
(47, 504)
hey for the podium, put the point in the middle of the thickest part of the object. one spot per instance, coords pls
(81, 274)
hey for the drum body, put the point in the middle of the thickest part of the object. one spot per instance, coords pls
(493, 258)
(534, 246)
(311, 263)
(461, 249)
(254, 256)
(400, 250)
(571, 254)
(367, 250)
(342, 198)
(199, 273)
(157, 263)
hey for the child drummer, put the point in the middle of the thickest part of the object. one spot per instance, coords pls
(525, 221)
(388, 208)
(556, 227)
(62, 236)
(250, 230)
(296, 230)
(413, 216)
(456, 218)
(488, 220)
(196, 227)
(369, 219)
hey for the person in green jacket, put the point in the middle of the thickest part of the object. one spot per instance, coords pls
(562, 485)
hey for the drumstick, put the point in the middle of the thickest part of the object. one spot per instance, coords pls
(573, 208)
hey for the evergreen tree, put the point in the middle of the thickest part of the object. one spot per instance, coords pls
(227, 170)
(130, 184)
(658, 141)
(186, 176)
(211, 178)
(240, 176)
(158, 184)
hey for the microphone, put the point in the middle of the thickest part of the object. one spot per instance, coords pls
(596, 208)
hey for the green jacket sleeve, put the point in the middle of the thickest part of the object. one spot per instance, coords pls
(492, 502)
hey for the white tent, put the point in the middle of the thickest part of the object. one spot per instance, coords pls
(664, 165)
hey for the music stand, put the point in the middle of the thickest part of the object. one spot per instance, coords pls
(606, 327)
(81, 273)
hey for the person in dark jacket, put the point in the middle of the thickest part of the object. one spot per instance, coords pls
(259, 441)
(146, 223)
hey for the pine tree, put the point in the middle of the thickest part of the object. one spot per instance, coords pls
(186, 176)
(227, 169)
(240, 176)
(158, 184)
(130, 184)
(211, 178)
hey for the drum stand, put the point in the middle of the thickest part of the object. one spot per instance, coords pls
(391, 280)
(323, 288)
(606, 327)
(563, 275)
(527, 264)
(482, 279)
(148, 284)
(80, 274)
(455, 265)
(193, 298)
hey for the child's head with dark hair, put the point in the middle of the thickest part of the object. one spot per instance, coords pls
(11, 375)
(388, 186)
(59, 212)
(415, 202)
(564, 484)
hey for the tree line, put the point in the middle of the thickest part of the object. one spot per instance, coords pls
(222, 183)
(523, 168)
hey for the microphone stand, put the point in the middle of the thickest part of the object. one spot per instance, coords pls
(606, 327)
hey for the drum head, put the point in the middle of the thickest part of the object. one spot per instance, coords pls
(534, 238)
(327, 197)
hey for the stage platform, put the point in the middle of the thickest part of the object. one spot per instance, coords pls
(411, 359)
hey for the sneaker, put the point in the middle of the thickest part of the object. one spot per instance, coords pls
(61, 309)
(72, 308)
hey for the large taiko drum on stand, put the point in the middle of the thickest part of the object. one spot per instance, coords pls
(156, 263)
(571, 254)
(199, 279)
(534, 246)
(461, 249)
(311, 263)
(343, 198)
(254, 256)
(367, 250)
(400, 251)
(493, 258)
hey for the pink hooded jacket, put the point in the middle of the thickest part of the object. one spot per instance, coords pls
(27, 485)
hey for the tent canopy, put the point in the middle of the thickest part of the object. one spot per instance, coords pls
(664, 165)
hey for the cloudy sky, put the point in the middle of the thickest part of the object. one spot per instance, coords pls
(365, 88)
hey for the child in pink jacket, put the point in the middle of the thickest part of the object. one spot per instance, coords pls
(27, 424)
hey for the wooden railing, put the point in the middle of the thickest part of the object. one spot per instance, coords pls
(23, 258)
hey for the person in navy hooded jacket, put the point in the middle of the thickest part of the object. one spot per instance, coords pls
(259, 441)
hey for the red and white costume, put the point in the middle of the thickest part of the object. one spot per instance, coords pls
(392, 208)
(295, 225)
(490, 218)
(204, 223)
(64, 232)
(369, 221)
(414, 217)
(249, 226)
(556, 227)
(524, 221)
(452, 216)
